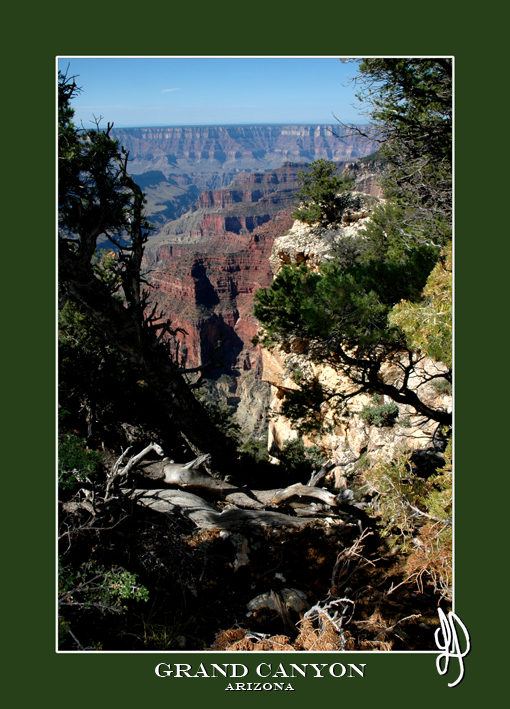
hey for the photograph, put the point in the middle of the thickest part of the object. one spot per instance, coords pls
(254, 376)
(254, 418)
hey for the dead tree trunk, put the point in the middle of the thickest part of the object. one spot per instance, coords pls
(215, 504)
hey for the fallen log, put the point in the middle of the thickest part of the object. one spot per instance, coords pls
(186, 477)
(244, 506)
(206, 516)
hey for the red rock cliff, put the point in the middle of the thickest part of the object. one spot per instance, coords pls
(210, 292)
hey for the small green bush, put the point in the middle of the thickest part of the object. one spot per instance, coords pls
(321, 195)
(256, 449)
(297, 460)
(297, 375)
(379, 414)
(94, 588)
(76, 463)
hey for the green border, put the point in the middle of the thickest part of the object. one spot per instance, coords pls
(35, 670)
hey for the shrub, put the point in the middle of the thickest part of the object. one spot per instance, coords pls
(320, 194)
(76, 463)
(442, 386)
(256, 449)
(379, 414)
(416, 515)
(93, 588)
(297, 460)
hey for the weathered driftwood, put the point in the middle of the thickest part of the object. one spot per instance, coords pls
(241, 497)
(299, 490)
(251, 499)
(188, 476)
(205, 515)
(185, 477)
(201, 482)
(257, 508)
(118, 472)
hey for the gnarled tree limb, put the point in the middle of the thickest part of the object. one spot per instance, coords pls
(206, 516)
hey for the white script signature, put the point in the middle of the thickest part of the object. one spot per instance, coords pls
(451, 644)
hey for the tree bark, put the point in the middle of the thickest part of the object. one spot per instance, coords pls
(244, 507)
(206, 516)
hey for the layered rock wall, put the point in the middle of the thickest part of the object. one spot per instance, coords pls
(204, 278)
(170, 147)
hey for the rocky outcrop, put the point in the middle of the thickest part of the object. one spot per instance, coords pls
(305, 245)
(206, 266)
(252, 199)
(348, 437)
(366, 174)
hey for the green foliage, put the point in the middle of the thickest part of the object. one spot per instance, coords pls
(428, 323)
(396, 489)
(342, 317)
(224, 420)
(442, 386)
(322, 193)
(296, 374)
(95, 195)
(297, 461)
(388, 296)
(256, 450)
(163, 629)
(372, 159)
(383, 234)
(94, 588)
(75, 331)
(107, 267)
(440, 497)
(96, 386)
(416, 515)
(409, 102)
(76, 463)
(97, 200)
(303, 406)
(405, 501)
(337, 307)
(379, 414)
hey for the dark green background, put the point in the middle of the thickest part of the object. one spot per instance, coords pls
(34, 38)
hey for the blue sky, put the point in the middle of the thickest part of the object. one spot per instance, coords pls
(136, 91)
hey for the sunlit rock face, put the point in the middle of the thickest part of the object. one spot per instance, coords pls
(348, 437)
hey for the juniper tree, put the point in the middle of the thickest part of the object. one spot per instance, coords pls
(323, 195)
(344, 313)
(409, 104)
(100, 203)
(343, 317)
